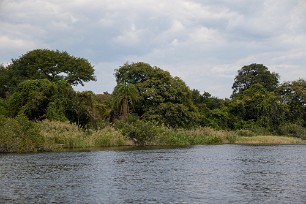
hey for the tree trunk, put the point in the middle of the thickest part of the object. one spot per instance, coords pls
(125, 108)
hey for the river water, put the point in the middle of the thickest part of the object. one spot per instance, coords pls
(198, 174)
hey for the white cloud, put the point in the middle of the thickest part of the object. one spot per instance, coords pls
(13, 44)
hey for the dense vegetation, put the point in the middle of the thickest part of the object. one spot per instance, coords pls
(40, 110)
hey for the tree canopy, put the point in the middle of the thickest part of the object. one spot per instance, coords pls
(51, 65)
(159, 92)
(254, 74)
(293, 96)
(4, 78)
(40, 99)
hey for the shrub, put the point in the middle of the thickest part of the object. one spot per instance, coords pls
(293, 130)
(141, 132)
(3, 107)
(19, 135)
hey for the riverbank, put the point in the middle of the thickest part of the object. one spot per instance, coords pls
(21, 135)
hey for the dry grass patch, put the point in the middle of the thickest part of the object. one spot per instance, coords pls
(270, 140)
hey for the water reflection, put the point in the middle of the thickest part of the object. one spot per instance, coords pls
(201, 174)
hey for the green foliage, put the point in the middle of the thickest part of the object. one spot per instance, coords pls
(123, 95)
(62, 134)
(254, 74)
(173, 115)
(19, 135)
(43, 99)
(66, 135)
(51, 65)
(157, 90)
(141, 132)
(245, 133)
(86, 111)
(206, 99)
(293, 130)
(4, 78)
(293, 97)
(257, 105)
(108, 137)
(40, 99)
(147, 133)
(193, 137)
(56, 111)
(3, 107)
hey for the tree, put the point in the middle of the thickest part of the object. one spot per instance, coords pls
(4, 78)
(293, 96)
(258, 106)
(254, 74)
(51, 65)
(40, 99)
(175, 115)
(157, 89)
(123, 95)
(205, 99)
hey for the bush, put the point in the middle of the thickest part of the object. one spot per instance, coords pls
(141, 132)
(256, 129)
(293, 130)
(19, 135)
(3, 107)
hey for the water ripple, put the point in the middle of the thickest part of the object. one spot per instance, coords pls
(200, 174)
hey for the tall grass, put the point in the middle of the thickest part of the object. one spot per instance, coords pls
(61, 134)
(67, 135)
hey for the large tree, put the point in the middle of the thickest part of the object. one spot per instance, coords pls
(254, 74)
(40, 99)
(51, 65)
(258, 106)
(293, 96)
(161, 96)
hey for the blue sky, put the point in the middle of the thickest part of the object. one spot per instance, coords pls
(204, 42)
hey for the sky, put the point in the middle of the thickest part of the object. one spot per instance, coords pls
(204, 42)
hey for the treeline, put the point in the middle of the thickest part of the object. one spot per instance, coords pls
(38, 86)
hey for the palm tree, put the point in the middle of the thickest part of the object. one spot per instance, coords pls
(124, 94)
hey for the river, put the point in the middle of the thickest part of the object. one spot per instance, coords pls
(198, 174)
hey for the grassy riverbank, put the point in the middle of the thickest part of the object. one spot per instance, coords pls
(21, 135)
